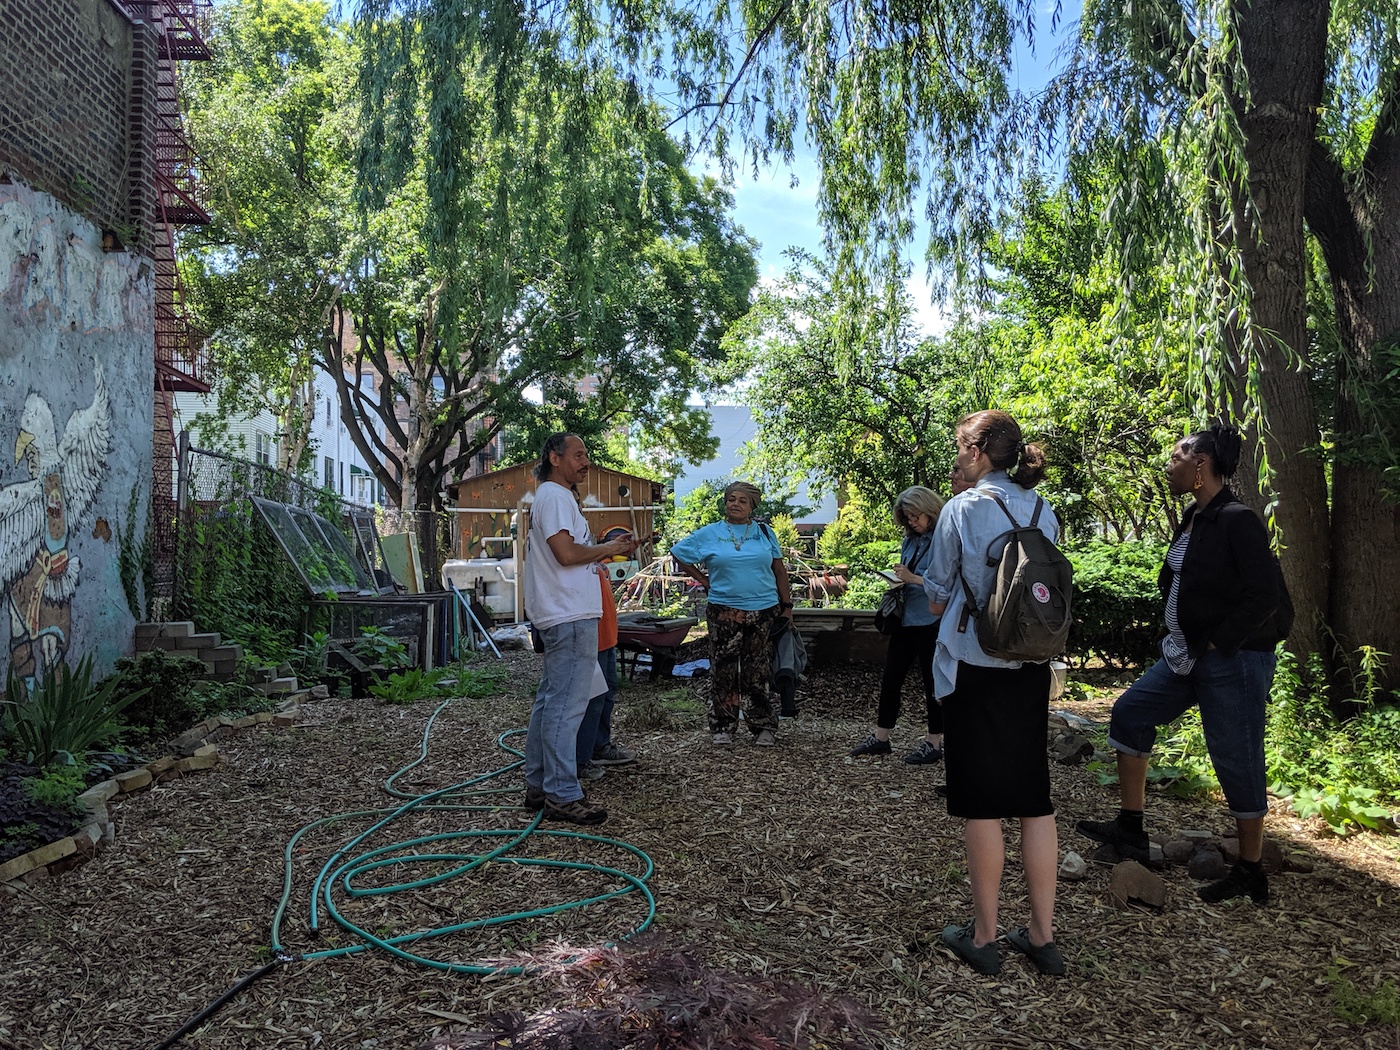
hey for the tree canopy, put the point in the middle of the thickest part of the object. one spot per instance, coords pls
(627, 271)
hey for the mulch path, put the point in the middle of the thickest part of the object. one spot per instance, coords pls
(793, 861)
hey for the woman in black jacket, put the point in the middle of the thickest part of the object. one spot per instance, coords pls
(1227, 610)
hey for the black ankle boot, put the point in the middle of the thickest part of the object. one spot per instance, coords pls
(1242, 881)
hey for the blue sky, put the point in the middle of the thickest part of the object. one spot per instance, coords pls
(780, 215)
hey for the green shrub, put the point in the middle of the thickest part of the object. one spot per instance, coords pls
(864, 591)
(862, 536)
(57, 785)
(377, 647)
(1117, 606)
(64, 715)
(166, 706)
(1346, 772)
(27, 823)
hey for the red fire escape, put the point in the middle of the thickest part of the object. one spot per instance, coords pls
(180, 351)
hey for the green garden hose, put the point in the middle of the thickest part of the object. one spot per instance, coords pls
(346, 865)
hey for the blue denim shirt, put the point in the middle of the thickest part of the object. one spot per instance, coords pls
(969, 523)
(916, 552)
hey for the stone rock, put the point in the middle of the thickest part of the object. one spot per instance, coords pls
(1132, 882)
(1105, 854)
(1178, 851)
(133, 780)
(1073, 868)
(1297, 860)
(1074, 721)
(246, 722)
(1270, 855)
(1070, 749)
(205, 749)
(196, 762)
(285, 719)
(88, 839)
(320, 692)
(1207, 863)
(262, 717)
(188, 742)
(36, 859)
(1199, 837)
(98, 794)
(1231, 848)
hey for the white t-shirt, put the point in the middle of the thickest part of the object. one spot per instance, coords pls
(555, 593)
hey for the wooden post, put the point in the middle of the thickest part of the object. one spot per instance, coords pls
(522, 533)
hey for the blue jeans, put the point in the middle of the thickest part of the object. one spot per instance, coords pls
(570, 653)
(1232, 693)
(595, 731)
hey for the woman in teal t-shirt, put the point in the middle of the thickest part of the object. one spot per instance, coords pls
(738, 562)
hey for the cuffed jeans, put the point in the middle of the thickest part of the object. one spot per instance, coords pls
(1233, 695)
(570, 654)
(595, 731)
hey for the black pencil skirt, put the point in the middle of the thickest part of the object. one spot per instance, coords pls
(994, 737)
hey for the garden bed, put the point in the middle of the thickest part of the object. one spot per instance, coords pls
(793, 861)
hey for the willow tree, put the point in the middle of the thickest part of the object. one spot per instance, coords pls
(577, 245)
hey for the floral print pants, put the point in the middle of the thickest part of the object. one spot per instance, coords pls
(741, 662)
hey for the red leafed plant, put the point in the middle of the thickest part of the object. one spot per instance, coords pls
(652, 995)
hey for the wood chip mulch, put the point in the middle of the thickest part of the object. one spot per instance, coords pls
(793, 861)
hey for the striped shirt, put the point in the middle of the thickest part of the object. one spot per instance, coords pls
(1174, 650)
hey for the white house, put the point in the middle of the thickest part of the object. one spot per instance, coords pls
(734, 426)
(336, 462)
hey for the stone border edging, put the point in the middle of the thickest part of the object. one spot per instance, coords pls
(197, 752)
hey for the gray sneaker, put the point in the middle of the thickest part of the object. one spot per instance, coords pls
(579, 811)
(925, 754)
(612, 755)
(986, 959)
(591, 771)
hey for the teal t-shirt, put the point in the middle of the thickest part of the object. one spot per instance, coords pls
(739, 562)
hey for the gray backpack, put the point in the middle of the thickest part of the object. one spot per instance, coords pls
(1027, 615)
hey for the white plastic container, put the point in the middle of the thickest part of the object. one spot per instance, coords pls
(493, 581)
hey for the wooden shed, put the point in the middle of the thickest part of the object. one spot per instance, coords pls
(492, 510)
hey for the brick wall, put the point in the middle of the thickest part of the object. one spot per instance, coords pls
(77, 106)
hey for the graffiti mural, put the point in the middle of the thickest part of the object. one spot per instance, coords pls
(38, 574)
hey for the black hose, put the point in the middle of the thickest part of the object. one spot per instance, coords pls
(219, 1003)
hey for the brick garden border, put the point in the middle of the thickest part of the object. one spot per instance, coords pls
(197, 752)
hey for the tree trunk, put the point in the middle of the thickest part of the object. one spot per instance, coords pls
(1283, 46)
(1365, 609)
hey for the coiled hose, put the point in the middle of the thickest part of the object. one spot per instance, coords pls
(348, 864)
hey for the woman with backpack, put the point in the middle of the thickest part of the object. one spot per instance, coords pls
(1227, 610)
(739, 563)
(916, 511)
(994, 709)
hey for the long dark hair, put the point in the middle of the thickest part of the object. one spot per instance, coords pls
(1222, 443)
(999, 438)
(553, 445)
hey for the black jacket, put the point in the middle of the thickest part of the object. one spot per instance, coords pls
(1232, 593)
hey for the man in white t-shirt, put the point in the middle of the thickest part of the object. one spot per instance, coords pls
(564, 603)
